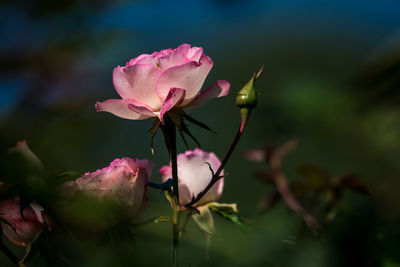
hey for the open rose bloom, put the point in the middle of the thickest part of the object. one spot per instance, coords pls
(21, 230)
(152, 85)
(194, 174)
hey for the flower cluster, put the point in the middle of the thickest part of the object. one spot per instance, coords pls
(159, 85)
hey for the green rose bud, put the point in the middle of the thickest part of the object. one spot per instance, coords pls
(246, 98)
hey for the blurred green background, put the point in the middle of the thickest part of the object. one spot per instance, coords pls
(331, 79)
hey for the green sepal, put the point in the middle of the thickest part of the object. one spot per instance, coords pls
(170, 197)
(153, 131)
(196, 122)
(185, 129)
(204, 220)
(177, 119)
(228, 211)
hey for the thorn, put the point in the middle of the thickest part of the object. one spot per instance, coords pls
(212, 171)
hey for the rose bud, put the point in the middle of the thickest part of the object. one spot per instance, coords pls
(246, 99)
(152, 85)
(21, 230)
(194, 174)
(100, 198)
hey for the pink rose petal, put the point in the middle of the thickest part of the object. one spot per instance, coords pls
(124, 181)
(218, 89)
(189, 76)
(195, 53)
(120, 108)
(194, 174)
(174, 98)
(137, 82)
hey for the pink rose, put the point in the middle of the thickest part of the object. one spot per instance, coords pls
(194, 174)
(24, 230)
(124, 182)
(152, 85)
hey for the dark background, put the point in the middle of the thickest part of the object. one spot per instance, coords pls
(331, 79)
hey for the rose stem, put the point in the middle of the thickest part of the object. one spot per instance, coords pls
(170, 139)
(175, 233)
(185, 220)
(216, 175)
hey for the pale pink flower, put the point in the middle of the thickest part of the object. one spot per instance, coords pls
(123, 182)
(194, 174)
(152, 85)
(21, 230)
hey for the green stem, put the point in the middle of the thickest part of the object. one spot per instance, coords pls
(175, 233)
(169, 131)
(185, 220)
(174, 165)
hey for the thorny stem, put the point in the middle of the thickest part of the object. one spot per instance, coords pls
(246, 100)
(216, 177)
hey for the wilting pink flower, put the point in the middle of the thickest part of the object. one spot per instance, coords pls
(194, 174)
(124, 182)
(152, 85)
(21, 230)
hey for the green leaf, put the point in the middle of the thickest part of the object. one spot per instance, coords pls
(228, 211)
(205, 220)
(162, 219)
